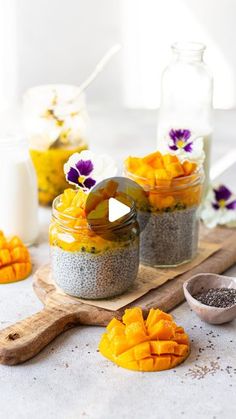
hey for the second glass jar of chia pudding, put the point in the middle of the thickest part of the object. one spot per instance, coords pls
(85, 263)
(171, 219)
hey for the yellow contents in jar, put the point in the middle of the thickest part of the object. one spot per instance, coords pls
(69, 229)
(169, 184)
(49, 169)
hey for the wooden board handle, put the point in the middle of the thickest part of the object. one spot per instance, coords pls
(26, 338)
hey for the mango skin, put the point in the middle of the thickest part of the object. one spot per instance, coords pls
(154, 344)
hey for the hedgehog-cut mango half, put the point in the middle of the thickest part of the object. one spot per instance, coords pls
(15, 263)
(154, 344)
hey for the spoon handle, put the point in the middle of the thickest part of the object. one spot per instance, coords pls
(99, 67)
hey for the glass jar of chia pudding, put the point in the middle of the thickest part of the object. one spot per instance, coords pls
(56, 122)
(91, 265)
(170, 236)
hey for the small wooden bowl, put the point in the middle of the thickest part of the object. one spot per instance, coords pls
(202, 282)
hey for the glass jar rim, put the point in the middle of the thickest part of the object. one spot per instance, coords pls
(179, 183)
(41, 89)
(188, 46)
(123, 221)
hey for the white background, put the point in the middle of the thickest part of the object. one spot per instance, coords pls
(44, 41)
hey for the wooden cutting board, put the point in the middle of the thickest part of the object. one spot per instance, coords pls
(28, 337)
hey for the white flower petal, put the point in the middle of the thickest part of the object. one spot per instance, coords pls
(213, 217)
(103, 165)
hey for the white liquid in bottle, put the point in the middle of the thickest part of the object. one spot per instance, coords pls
(18, 191)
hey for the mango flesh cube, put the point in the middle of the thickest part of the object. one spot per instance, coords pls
(189, 167)
(155, 315)
(152, 157)
(5, 257)
(132, 315)
(110, 189)
(135, 331)
(162, 362)
(169, 158)
(126, 356)
(101, 211)
(175, 169)
(146, 364)
(114, 322)
(181, 338)
(161, 347)
(133, 163)
(142, 350)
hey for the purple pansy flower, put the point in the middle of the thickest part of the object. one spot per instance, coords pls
(180, 140)
(87, 169)
(79, 174)
(223, 199)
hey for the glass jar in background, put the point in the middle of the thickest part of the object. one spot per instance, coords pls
(18, 186)
(90, 265)
(171, 219)
(55, 120)
(186, 105)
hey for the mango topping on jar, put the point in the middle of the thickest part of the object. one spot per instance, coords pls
(72, 232)
(169, 184)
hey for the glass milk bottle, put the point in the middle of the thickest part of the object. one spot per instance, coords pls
(185, 118)
(18, 186)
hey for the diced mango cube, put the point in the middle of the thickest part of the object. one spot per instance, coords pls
(175, 169)
(7, 274)
(169, 158)
(133, 164)
(5, 257)
(133, 315)
(113, 323)
(189, 167)
(135, 331)
(155, 315)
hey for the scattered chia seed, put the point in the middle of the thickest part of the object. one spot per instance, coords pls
(169, 238)
(96, 275)
(217, 297)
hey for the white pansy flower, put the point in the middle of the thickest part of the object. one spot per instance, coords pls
(185, 145)
(86, 169)
(219, 208)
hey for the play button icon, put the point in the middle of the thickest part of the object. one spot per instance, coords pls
(116, 210)
(114, 203)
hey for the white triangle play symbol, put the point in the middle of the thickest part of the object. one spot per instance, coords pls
(116, 209)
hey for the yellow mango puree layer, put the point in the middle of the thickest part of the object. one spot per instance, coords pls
(49, 169)
(70, 231)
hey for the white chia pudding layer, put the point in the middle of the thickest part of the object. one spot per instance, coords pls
(94, 276)
(169, 238)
